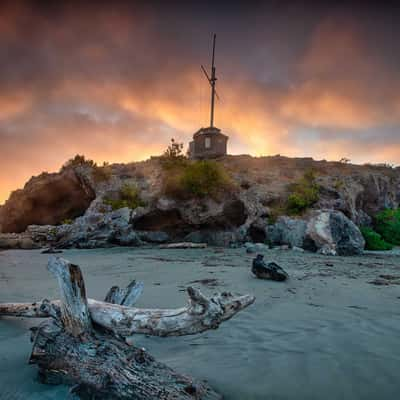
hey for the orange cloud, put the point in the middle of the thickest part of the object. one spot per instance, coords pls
(12, 104)
(116, 89)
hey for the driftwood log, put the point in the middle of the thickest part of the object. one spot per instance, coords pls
(80, 341)
(183, 245)
(201, 314)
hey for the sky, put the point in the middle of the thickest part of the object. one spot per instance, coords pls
(117, 80)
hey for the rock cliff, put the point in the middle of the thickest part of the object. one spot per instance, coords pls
(251, 211)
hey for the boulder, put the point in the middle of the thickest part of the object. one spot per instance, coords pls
(46, 199)
(287, 231)
(331, 233)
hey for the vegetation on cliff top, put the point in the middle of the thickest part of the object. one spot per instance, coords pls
(99, 173)
(185, 179)
(78, 160)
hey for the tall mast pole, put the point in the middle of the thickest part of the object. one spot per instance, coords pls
(212, 81)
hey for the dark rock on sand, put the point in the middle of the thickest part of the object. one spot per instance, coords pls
(271, 271)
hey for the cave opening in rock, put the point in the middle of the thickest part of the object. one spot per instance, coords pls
(257, 234)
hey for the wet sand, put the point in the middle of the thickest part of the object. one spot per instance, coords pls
(327, 333)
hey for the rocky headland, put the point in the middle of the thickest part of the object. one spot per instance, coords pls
(298, 203)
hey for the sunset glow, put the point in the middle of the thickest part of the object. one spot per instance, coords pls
(116, 83)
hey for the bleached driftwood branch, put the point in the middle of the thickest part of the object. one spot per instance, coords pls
(200, 314)
(74, 312)
(125, 297)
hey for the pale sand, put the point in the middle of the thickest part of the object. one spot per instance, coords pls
(325, 334)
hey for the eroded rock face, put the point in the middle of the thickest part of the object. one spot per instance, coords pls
(201, 216)
(47, 199)
(159, 220)
(332, 233)
(361, 192)
(216, 237)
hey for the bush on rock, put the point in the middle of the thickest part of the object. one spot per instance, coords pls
(305, 193)
(387, 224)
(197, 179)
(128, 196)
(373, 240)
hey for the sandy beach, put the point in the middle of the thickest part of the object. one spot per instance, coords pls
(326, 333)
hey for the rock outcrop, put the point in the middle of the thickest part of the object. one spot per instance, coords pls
(47, 199)
(98, 229)
(261, 187)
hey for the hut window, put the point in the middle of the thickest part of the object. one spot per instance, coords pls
(207, 143)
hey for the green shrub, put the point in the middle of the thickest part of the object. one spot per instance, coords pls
(305, 193)
(173, 156)
(196, 180)
(99, 174)
(67, 221)
(79, 160)
(373, 240)
(387, 224)
(204, 178)
(128, 196)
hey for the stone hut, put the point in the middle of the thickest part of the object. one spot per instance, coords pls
(208, 143)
